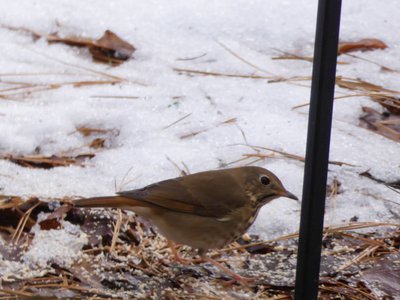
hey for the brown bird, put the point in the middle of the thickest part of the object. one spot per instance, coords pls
(205, 210)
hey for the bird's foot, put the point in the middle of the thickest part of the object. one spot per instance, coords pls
(240, 280)
(178, 258)
(184, 261)
(236, 278)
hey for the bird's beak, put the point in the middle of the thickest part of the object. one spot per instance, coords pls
(289, 195)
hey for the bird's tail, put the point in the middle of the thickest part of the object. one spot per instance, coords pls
(108, 201)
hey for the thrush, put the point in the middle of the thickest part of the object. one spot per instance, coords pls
(205, 210)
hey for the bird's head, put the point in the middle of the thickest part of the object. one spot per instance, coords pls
(262, 186)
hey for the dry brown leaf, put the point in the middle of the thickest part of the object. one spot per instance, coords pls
(110, 48)
(100, 138)
(97, 143)
(47, 162)
(391, 103)
(384, 124)
(50, 224)
(86, 131)
(361, 45)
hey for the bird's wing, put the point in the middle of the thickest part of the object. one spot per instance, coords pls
(200, 194)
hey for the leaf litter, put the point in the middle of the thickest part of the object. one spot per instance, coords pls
(47, 162)
(122, 257)
(110, 48)
(94, 138)
(385, 124)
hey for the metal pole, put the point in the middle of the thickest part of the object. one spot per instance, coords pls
(317, 153)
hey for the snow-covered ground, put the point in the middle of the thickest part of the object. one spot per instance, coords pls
(233, 37)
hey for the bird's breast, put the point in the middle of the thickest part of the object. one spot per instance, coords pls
(248, 216)
(198, 231)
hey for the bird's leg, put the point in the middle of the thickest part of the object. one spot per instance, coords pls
(235, 277)
(176, 254)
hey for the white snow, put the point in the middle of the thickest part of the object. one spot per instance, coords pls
(168, 35)
(61, 247)
(55, 246)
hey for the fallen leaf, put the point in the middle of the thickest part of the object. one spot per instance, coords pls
(50, 224)
(86, 131)
(391, 103)
(385, 124)
(47, 162)
(361, 45)
(100, 138)
(110, 48)
(97, 143)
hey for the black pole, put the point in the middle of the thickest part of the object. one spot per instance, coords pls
(317, 153)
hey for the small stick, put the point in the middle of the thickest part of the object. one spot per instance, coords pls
(366, 252)
(242, 59)
(17, 293)
(207, 73)
(21, 225)
(117, 229)
(177, 121)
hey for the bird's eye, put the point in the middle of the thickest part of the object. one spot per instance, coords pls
(265, 180)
